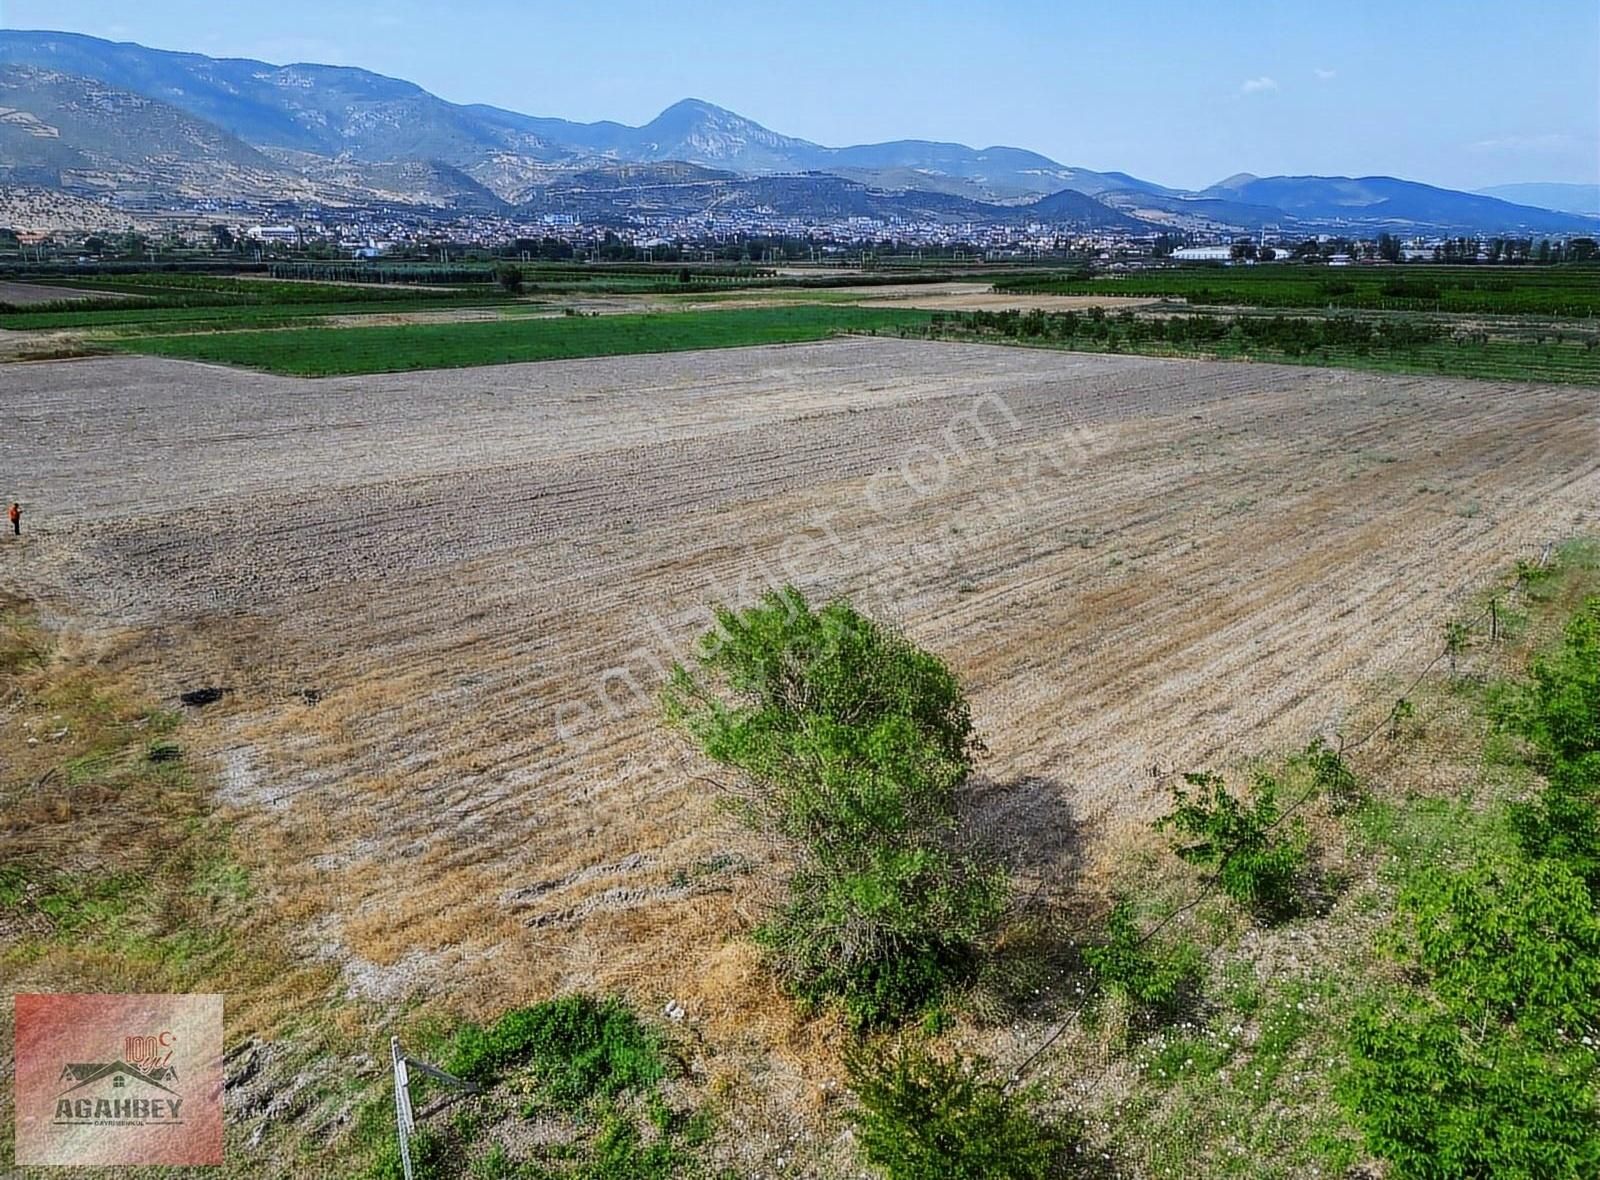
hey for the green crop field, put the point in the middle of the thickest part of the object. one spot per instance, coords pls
(321, 352)
(1504, 290)
(196, 301)
(202, 290)
(135, 318)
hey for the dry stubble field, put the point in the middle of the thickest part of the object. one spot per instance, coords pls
(1132, 563)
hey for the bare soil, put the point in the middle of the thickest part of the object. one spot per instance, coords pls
(24, 293)
(957, 296)
(479, 575)
(949, 296)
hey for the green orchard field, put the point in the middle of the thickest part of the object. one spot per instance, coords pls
(1507, 290)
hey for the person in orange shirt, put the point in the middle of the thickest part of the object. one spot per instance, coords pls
(15, 517)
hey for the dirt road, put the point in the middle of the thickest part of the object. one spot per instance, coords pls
(480, 575)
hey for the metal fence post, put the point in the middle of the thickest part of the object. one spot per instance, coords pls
(405, 1119)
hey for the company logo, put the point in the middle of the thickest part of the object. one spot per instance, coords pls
(147, 1062)
(119, 1079)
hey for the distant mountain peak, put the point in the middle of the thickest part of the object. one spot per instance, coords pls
(697, 112)
(695, 106)
(701, 132)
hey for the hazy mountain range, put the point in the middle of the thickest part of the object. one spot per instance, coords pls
(1568, 198)
(84, 115)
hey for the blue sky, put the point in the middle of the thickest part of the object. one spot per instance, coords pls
(1461, 93)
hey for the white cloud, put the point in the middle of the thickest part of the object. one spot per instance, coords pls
(1547, 142)
(1325, 75)
(1259, 85)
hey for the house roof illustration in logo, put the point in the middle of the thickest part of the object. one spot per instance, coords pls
(84, 1074)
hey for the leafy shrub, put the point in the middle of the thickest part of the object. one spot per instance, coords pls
(599, 1067)
(854, 745)
(1563, 822)
(1156, 981)
(887, 936)
(927, 1117)
(1255, 868)
(1530, 573)
(1559, 710)
(1442, 1102)
(1331, 775)
(576, 1046)
(1516, 943)
(1483, 1070)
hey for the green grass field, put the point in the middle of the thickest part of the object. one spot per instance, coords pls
(134, 318)
(1484, 290)
(323, 352)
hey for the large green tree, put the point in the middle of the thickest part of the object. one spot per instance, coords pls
(853, 745)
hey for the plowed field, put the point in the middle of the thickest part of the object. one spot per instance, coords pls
(442, 602)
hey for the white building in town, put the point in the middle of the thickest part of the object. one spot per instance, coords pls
(273, 233)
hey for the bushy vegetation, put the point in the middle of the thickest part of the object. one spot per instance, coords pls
(1487, 1064)
(575, 1046)
(1254, 865)
(1291, 335)
(1558, 710)
(1437, 1105)
(1155, 980)
(853, 745)
(1513, 942)
(922, 1116)
(587, 1064)
(510, 277)
(1481, 1069)
(1558, 713)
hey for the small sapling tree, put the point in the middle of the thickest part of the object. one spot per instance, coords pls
(1155, 981)
(1330, 774)
(1255, 866)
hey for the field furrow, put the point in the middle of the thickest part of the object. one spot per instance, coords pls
(1138, 566)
